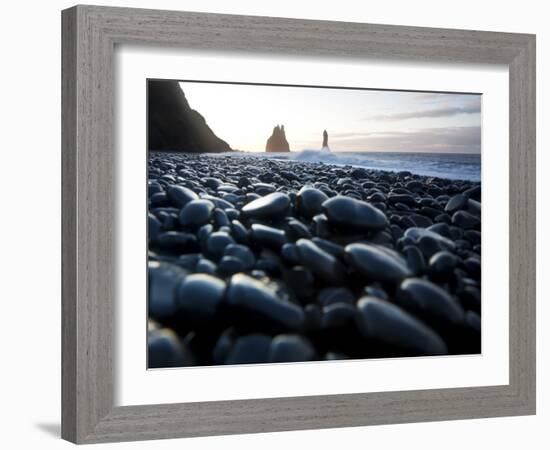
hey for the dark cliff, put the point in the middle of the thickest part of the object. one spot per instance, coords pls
(174, 126)
(277, 141)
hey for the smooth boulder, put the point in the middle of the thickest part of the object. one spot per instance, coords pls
(270, 206)
(349, 212)
(429, 300)
(199, 296)
(377, 264)
(252, 296)
(196, 213)
(386, 322)
(290, 348)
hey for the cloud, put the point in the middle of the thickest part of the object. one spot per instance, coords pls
(445, 139)
(474, 108)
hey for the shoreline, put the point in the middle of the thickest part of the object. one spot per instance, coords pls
(272, 260)
(291, 157)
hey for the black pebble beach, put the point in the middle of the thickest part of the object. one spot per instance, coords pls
(259, 260)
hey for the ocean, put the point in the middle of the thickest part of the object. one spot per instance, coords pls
(456, 166)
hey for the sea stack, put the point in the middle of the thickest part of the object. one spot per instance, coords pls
(325, 141)
(277, 141)
(175, 127)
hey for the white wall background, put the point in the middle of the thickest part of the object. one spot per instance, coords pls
(31, 208)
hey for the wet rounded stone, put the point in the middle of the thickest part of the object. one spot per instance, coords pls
(220, 218)
(180, 195)
(196, 213)
(415, 259)
(206, 266)
(376, 263)
(323, 264)
(442, 243)
(300, 281)
(442, 264)
(153, 187)
(473, 320)
(219, 202)
(212, 182)
(465, 220)
(473, 265)
(270, 263)
(455, 203)
(473, 237)
(443, 218)
(188, 261)
(268, 236)
(216, 243)
(388, 323)
(330, 295)
(290, 348)
(251, 196)
(229, 265)
(456, 233)
(374, 291)
(271, 206)
(250, 349)
(329, 247)
(297, 230)
(243, 253)
(164, 349)
(203, 233)
(429, 212)
(309, 201)
(225, 229)
(429, 246)
(223, 346)
(349, 212)
(425, 298)
(470, 298)
(239, 232)
(253, 296)
(321, 227)
(474, 193)
(441, 228)
(176, 242)
(312, 314)
(337, 315)
(421, 221)
(159, 199)
(164, 278)
(290, 253)
(377, 197)
(232, 214)
(154, 227)
(407, 199)
(199, 296)
(264, 188)
(474, 207)
(396, 232)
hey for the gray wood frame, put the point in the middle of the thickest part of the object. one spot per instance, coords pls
(89, 36)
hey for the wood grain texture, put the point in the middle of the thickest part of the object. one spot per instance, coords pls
(68, 225)
(89, 36)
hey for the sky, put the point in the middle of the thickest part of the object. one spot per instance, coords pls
(355, 120)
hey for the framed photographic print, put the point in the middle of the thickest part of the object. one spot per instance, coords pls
(268, 230)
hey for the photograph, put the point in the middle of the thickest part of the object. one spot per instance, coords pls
(295, 223)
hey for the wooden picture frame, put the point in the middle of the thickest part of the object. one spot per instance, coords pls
(90, 34)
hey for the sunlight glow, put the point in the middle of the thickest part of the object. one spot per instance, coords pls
(356, 120)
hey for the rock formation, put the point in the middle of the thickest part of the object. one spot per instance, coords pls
(174, 126)
(277, 141)
(325, 141)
